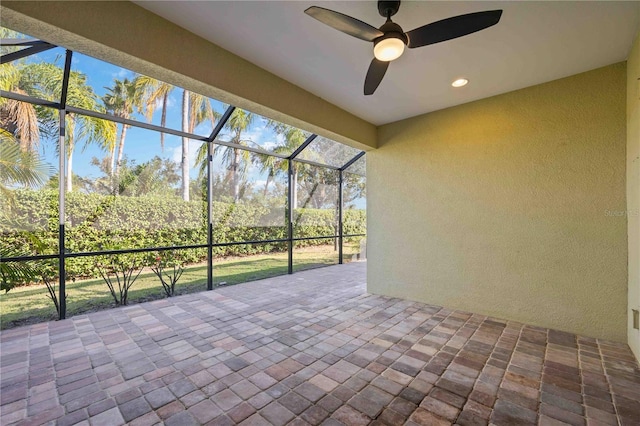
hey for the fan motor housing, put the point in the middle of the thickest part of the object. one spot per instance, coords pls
(388, 8)
(392, 30)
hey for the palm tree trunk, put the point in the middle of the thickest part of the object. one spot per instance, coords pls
(319, 201)
(123, 134)
(236, 181)
(113, 162)
(112, 178)
(163, 117)
(266, 185)
(185, 146)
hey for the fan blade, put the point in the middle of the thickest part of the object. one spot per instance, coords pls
(344, 23)
(454, 27)
(377, 70)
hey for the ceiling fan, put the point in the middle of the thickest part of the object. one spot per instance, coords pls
(389, 40)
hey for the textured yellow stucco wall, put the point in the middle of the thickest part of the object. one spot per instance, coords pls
(128, 35)
(509, 206)
(633, 189)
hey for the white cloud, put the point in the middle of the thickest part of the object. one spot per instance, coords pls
(170, 103)
(263, 137)
(254, 134)
(269, 145)
(122, 73)
(175, 153)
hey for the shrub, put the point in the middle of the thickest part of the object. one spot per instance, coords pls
(119, 272)
(168, 268)
(96, 222)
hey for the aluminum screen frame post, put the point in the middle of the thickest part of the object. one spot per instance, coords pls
(62, 271)
(340, 206)
(290, 191)
(290, 217)
(62, 274)
(209, 141)
(209, 215)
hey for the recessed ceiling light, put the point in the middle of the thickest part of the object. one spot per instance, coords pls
(460, 82)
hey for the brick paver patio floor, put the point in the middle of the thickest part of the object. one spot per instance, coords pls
(312, 348)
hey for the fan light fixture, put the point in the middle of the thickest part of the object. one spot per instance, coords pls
(388, 49)
(460, 82)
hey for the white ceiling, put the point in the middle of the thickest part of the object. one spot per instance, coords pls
(534, 42)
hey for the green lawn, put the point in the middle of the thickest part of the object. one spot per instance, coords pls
(26, 305)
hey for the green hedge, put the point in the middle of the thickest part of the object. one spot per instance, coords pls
(98, 222)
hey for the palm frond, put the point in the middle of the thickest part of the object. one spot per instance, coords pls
(15, 273)
(18, 167)
(25, 119)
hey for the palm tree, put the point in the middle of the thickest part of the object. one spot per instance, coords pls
(293, 138)
(155, 92)
(122, 99)
(17, 168)
(44, 80)
(18, 118)
(195, 110)
(85, 129)
(237, 159)
(270, 164)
